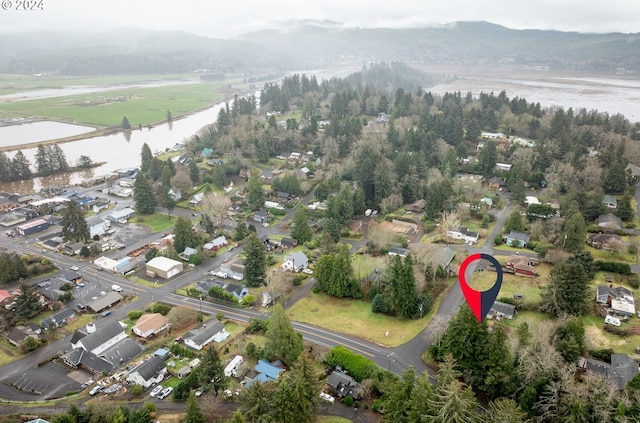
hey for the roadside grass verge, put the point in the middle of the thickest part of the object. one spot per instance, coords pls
(157, 222)
(354, 317)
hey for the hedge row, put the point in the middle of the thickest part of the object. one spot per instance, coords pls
(613, 267)
(358, 366)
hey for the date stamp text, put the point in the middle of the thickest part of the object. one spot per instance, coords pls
(22, 4)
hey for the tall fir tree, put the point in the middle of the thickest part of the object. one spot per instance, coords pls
(255, 266)
(146, 157)
(20, 167)
(193, 411)
(184, 235)
(143, 195)
(212, 372)
(282, 342)
(301, 230)
(74, 225)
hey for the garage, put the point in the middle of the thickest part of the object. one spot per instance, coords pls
(164, 267)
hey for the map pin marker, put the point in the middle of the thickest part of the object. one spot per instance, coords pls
(480, 302)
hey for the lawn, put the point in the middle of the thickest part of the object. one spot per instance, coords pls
(142, 106)
(331, 419)
(512, 284)
(363, 264)
(157, 222)
(598, 338)
(354, 317)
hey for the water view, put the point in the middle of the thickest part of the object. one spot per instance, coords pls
(39, 131)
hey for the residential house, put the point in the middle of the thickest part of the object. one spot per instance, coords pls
(463, 234)
(175, 194)
(207, 152)
(148, 373)
(530, 199)
(620, 300)
(523, 142)
(505, 167)
(341, 384)
(238, 291)
(104, 302)
(59, 318)
(441, 257)
(487, 200)
(604, 241)
(621, 370)
(8, 296)
(73, 277)
(215, 162)
(121, 215)
(295, 262)
(234, 365)
(288, 243)
(610, 201)
(522, 265)
(517, 239)
(283, 197)
(18, 334)
(492, 135)
(501, 311)
(265, 372)
(216, 244)
(261, 216)
(204, 334)
(609, 221)
(187, 253)
(150, 324)
(196, 200)
(398, 251)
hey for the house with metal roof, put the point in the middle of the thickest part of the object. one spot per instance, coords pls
(610, 201)
(517, 238)
(501, 311)
(295, 262)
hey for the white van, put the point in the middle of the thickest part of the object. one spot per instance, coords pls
(368, 212)
(610, 320)
(116, 288)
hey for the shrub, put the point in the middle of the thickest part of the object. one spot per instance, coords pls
(161, 308)
(195, 259)
(248, 300)
(498, 241)
(220, 316)
(297, 281)
(613, 267)
(603, 354)
(356, 404)
(277, 212)
(377, 405)
(315, 290)
(221, 294)
(137, 390)
(134, 314)
(348, 400)
(366, 406)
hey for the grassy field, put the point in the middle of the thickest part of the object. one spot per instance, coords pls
(140, 105)
(364, 264)
(157, 222)
(512, 284)
(354, 317)
(13, 83)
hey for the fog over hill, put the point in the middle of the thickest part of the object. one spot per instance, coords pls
(304, 44)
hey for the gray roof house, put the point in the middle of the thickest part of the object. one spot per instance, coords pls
(295, 262)
(609, 221)
(515, 236)
(621, 370)
(501, 311)
(59, 318)
(149, 372)
(610, 201)
(204, 334)
(341, 385)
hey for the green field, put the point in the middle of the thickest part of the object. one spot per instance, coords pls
(142, 106)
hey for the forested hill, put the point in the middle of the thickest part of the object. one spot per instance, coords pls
(128, 50)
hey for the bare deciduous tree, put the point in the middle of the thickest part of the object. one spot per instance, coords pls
(450, 221)
(216, 205)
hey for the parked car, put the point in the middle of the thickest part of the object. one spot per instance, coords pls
(155, 391)
(106, 313)
(307, 271)
(95, 390)
(74, 268)
(165, 393)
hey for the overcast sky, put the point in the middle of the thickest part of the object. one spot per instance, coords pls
(219, 18)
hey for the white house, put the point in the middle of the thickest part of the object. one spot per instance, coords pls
(150, 324)
(530, 199)
(204, 334)
(150, 372)
(503, 166)
(464, 234)
(295, 262)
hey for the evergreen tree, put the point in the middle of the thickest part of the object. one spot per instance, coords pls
(452, 401)
(574, 234)
(624, 210)
(566, 291)
(301, 230)
(213, 370)
(333, 273)
(60, 159)
(143, 195)
(6, 174)
(85, 162)
(505, 410)
(488, 158)
(616, 178)
(194, 172)
(256, 402)
(396, 405)
(255, 194)
(403, 287)
(305, 387)
(282, 341)
(421, 394)
(332, 229)
(43, 164)
(359, 201)
(74, 225)
(146, 157)
(255, 262)
(125, 123)
(28, 302)
(184, 235)
(514, 223)
(284, 408)
(193, 411)
(20, 167)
